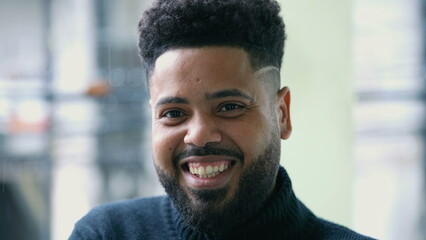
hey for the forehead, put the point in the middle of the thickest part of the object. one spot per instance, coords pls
(201, 69)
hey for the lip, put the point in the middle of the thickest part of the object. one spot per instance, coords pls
(219, 181)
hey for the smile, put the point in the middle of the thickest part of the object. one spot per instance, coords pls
(208, 172)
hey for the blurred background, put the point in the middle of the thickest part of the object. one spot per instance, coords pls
(75, 121)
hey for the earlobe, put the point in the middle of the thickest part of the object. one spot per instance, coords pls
(283, 108)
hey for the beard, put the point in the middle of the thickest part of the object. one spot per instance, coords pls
(208, 210)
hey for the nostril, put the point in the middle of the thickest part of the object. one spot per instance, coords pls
(202, 138)
(202, 129)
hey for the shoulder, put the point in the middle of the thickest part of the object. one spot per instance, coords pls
(129, 219)
(331, 231)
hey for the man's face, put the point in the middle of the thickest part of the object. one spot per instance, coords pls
(216, 131)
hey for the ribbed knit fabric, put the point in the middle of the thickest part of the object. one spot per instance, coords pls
(284, 217)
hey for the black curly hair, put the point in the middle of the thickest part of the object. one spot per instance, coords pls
(253, 25)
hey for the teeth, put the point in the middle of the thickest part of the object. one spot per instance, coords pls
(208, 171)
(221, 168)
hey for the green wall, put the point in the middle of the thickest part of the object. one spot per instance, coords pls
(318, 69)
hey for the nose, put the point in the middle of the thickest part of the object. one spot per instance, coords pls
(201, 130)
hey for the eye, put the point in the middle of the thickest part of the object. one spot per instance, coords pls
(172, 117)
(230, 106)
(172, 114)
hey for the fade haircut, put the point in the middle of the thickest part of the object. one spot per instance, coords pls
(252, 25)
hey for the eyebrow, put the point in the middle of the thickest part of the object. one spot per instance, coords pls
(168, 100)
(209, 96)
(228, 93)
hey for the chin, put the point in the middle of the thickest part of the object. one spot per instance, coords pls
(214, 210)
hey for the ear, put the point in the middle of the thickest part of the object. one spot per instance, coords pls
(283, 112)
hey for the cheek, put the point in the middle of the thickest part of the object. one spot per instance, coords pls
(165, 143)
(251, 137)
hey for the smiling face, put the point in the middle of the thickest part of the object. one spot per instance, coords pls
(216, 131)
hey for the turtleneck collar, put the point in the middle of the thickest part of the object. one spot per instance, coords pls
(283, 217)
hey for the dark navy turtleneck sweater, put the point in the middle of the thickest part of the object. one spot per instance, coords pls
(284, 217)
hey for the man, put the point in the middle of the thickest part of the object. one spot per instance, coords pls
(218, 114)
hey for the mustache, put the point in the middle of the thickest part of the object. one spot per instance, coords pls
(208, 149)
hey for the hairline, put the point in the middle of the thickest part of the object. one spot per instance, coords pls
(255, 67)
